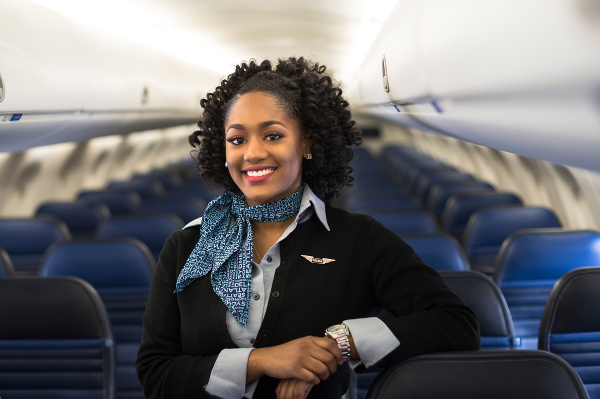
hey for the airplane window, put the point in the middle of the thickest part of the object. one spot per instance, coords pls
(1, 89)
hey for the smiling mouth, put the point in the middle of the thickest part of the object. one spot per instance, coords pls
(259, 173)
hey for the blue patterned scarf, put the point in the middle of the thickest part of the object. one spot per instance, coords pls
(227, 252)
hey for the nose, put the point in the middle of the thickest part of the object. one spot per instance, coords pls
(255, 150)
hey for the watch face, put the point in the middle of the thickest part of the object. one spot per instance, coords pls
(337, 328)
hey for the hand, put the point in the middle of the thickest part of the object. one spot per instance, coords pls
(293, 389)
(309, 359)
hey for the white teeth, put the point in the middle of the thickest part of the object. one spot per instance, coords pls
(258, 173)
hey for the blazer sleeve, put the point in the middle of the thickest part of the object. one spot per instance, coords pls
(426, 315)
(164, 371)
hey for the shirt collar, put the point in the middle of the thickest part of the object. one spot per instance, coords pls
(309, 201)
(309, 198)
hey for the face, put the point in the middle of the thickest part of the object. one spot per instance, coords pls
(264, 149)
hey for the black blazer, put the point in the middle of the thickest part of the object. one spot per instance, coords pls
(373, 269)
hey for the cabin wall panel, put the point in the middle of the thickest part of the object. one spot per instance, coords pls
(58, 172)
(573, 193)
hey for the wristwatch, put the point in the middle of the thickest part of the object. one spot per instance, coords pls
(340, 333)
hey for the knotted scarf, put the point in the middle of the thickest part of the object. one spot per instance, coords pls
(227, 252)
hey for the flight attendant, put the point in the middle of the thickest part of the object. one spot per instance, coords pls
(271, 294)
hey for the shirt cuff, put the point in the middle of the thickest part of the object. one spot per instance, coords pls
(228, 376)
(373, 340)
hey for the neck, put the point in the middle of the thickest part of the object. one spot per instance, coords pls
(266, 235)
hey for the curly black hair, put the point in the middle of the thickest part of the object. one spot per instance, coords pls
(306, 93)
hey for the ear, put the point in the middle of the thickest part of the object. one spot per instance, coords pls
(306, 144)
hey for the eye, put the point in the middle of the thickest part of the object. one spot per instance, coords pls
(273, 136)
(237, 140)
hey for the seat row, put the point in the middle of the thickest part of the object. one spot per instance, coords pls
(121, 270)
(412, 193)
(568, 329)
(118, 271)
(147, 207)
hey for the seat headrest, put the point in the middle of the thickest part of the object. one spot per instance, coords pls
(51, 308)
(546, 254)
(568, 307)
(519, 374)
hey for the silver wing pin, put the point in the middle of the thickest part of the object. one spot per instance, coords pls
(320, 261)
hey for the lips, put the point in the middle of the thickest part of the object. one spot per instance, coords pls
(258, 175)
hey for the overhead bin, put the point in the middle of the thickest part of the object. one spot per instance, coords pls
(63, 81)
(517, 75)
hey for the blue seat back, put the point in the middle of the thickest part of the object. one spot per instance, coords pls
(410, 222)
(487, 229)
(6, 266)
(121, 271)
(187, 209)
(426, 181)
(480, 374)
(146, 188)
(168, 179)
(82, 218)
(416, 171)
(55, 340)
(529, 264)
(390, 203)
(440, 251)
(461, 206)
(570, 325)
(152, 230)
(119, 203)
(440, 193)
(107, 264)
(26, 240)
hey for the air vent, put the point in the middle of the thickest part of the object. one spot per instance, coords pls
(2, 90)
(386, 83)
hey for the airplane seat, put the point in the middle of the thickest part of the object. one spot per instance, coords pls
(427, 180)
(121, 271)
(56, 340)
(6, 266)
(146, 188)
(197, 186)
(440, 251)
(462, 205)
(570, 328)
(480, 374)
(122, 202)
(168, 179)
(485, 298)
(152, 230)
(529, 264)
(487, 229)
(408, 222)
(25, 240)
(187, 209)
(482, 295)
(404, 169)
(440, 192)
(415, 172)
(82, 217)
(397, 203)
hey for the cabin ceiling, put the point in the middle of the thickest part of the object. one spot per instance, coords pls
(219, 34)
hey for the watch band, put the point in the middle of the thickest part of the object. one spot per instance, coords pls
(340, 332)
(344, 344)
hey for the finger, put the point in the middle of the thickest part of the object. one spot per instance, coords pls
(302, 389)
(331, 347)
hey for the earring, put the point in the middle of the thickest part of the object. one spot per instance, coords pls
(225, 163)
(308, 155)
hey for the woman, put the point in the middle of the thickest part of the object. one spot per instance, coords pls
(241, 299)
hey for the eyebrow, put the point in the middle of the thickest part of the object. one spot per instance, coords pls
(262, 125)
